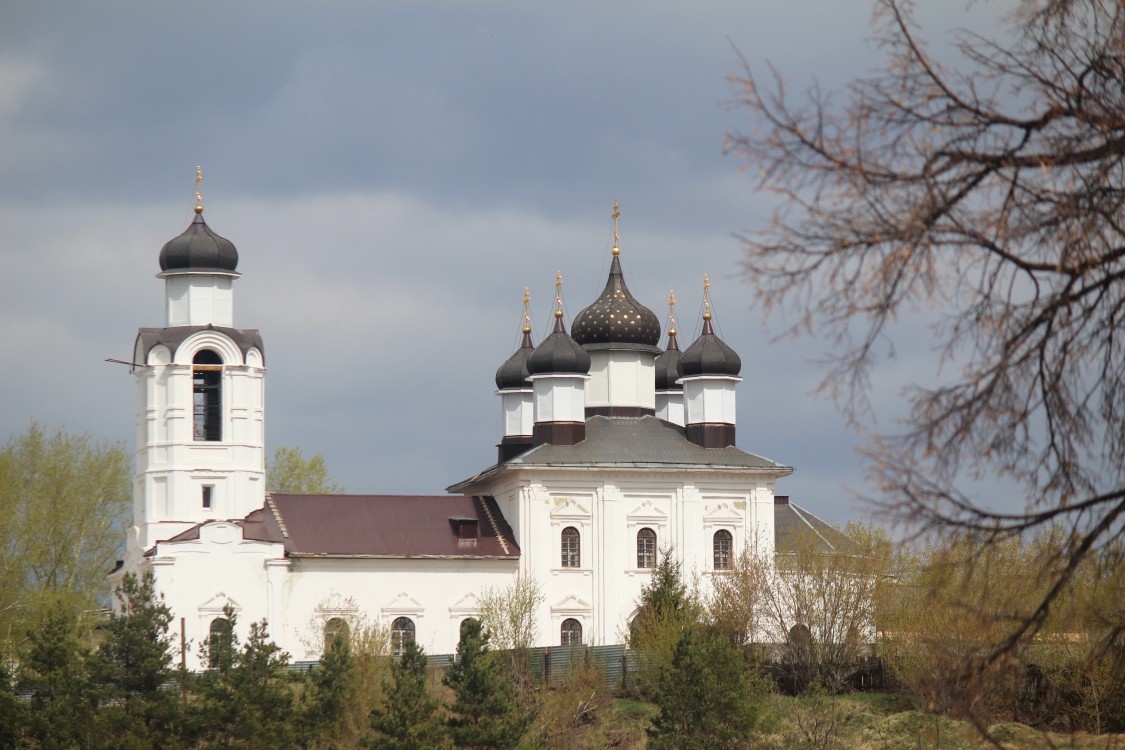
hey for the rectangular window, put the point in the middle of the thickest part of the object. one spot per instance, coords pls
(208, 495)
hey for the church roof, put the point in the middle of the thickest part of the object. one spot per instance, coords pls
(795, 528)
(632, 442)
(416, 526)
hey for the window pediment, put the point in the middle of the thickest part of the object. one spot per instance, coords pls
(571, 605)
(217, 603)
(569, 509)
(403, 603)
(648, 511)
(722, 513)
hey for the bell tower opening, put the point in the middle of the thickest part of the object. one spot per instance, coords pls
(207, 395)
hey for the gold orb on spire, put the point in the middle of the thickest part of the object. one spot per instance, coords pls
(198, 194)
(671, 312)
(526, 310)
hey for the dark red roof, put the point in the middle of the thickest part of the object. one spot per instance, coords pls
(378, 526)
(389, 525)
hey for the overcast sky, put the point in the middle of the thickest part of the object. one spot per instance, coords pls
(393, 174)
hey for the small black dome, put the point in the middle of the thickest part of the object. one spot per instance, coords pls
(198, 248)
(513, 373)
(616, 317)
(668, 366)
(558, 353)
(709, 355)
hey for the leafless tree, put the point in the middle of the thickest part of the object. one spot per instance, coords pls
(991, 187)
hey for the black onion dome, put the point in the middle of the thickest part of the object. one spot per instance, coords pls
(668, 366)
(616, 317)
(709, 355)
(198, 248)
(513, 373)
(558, 353)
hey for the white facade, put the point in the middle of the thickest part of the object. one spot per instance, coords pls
(588, 530)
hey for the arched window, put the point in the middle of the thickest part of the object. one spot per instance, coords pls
(646, 548)
(220, 643)
(333, 629)
(207, 395)
(724, 550)
(464, 624)
(571, 548)
(402, 633)
(571, 632)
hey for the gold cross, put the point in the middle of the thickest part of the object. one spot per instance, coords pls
(198, 194)
(616, 216)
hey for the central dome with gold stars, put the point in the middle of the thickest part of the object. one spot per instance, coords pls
(616, 317)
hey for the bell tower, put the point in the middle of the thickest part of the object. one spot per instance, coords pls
(200, 396)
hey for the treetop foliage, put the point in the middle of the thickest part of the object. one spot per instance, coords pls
(289, 472)
(64, 504)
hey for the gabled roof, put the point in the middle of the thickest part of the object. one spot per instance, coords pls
(795, 528)
(418, 526)
(632, 442)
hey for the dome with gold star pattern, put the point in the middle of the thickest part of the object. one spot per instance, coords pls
(616, 317)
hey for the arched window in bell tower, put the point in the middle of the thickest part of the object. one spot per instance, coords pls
(207, 395)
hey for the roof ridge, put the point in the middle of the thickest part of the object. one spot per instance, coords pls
(277, 515)
(492, 521)
(801, 514)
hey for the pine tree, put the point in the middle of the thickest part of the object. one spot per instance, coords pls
(708, 697)
(244, 701)
(54, 675)
(409, 719)
(329, 688)
(485, 712)
(132, 668)
(13, 713)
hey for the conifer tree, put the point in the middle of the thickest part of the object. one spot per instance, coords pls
(329, 688)
(131, 670)
(244, 701)
(707, 696)
(54, 676)
(485, 712)
(13, 714)
(409, 719)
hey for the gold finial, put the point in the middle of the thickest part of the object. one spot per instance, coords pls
(198, 194)
(616, 216)
(706, 298)
(558, 294)
(671, 312)
(526, 310)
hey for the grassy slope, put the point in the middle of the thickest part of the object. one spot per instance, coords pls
(868, 721)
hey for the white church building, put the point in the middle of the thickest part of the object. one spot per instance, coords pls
(612, 452)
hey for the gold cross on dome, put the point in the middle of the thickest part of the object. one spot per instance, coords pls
(198, 194)
(616, 216)
(558, 294)
(526, 310)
